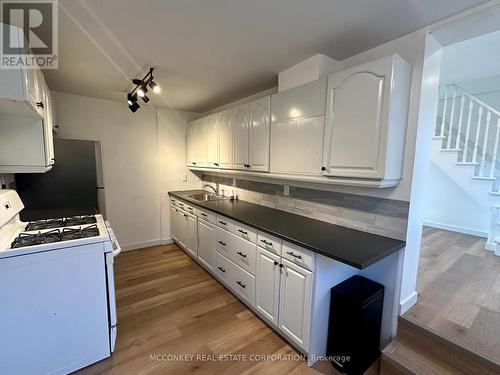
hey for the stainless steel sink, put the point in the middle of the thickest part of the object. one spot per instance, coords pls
(205, 197)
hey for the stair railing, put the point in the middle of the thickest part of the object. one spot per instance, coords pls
(477, 116)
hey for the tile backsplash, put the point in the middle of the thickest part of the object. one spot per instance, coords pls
(381, 216)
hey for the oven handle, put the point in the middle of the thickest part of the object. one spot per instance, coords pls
(116, 246)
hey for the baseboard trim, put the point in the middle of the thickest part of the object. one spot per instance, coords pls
(407, 303)
(140, 245)
(454, 228)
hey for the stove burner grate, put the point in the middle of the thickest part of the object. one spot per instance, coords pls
(59, 223)
(55, 235)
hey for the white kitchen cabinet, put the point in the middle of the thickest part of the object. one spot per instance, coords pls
(26, 120)
(191, 143)
(251, 135)
(267, 288)
(181, 228)
(240, 118)
(366, 120)
(259, 128)
(297, 129)
(173, 222)
(295, 303)
(192, 235)
(206, 243)
(225, 139)
(212, 135)
(201, 142)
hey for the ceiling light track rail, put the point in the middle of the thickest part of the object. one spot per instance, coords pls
(140, 90)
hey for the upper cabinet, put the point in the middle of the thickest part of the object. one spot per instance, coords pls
(258, 127)
(240, 136)
(366, 121)
(225, 139)
(297, 127)
(212, 135)
(26, 121)
(348, 128)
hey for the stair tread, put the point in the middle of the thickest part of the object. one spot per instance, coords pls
(409, 356)
(451, 149)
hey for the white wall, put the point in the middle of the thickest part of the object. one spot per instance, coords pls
(172, 168)
(449, 206)
(132, 160)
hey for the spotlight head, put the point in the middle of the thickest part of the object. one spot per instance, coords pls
(131, 98)
(145, 98)
(156, 89)
(134, 107)
(141, 91)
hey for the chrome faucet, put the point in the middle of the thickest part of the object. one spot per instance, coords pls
(215, 189)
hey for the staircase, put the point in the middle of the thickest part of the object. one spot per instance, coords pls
(419, 350)
(465, 147)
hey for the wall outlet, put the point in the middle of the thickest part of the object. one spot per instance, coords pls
(286, 190)
(184, 178)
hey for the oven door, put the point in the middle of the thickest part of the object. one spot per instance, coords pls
(111, 299)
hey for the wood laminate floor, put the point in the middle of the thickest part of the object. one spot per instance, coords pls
(169, 306)
(458, 287)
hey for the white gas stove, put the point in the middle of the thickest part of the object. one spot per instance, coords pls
(57, 291)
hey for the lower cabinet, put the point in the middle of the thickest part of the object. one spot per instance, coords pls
(173, 222)
(295, 303)
(192, 235)
(277, 285)
(267, 288)
(206, 243)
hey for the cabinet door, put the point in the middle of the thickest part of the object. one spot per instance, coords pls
(225, 139)
(259, 127)
(48, 125)
(181, 229)
(201, 143)
(295, 303)
(356, 125)
(173, 222)
(212, 135)
(191, 139)
(192, 236)
(206, 244)
(268, 285)
(240, 137)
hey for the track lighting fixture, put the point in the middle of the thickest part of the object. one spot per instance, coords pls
(140, 90)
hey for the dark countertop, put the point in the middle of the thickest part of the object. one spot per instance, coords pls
(350, 246)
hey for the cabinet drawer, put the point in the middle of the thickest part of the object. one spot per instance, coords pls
(224, 242)
(240, 251)
(244, 284)
(223, 268)
(245, 232)
(269, 242)
(226, 223)
(236, 278)
(298, 255)
(206, 215)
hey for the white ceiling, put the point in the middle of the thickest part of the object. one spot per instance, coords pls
(210, 52)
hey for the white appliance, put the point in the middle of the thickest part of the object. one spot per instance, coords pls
(57, 295)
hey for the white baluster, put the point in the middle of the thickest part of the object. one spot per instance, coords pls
(495, 151)
(443, 119)
(450, 127)
(485, 143)
(467, 132)
(460, 117)
(476, 140)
